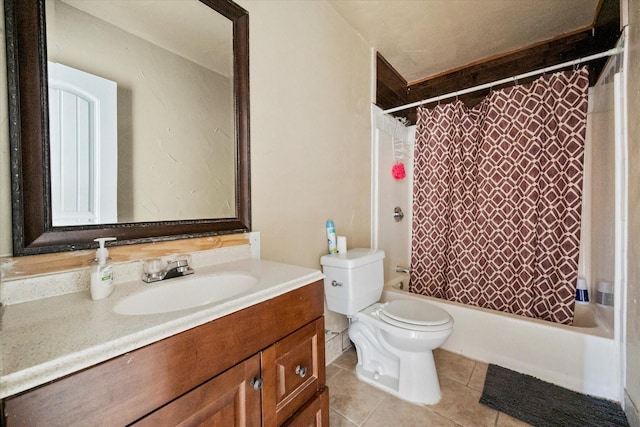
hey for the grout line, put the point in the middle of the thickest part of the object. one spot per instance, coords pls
(475, 364)
(345, 417)
(336, 373)
(352, 421)
(374, 409)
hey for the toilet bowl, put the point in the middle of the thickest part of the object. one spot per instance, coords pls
(395, 340)
(397, 355)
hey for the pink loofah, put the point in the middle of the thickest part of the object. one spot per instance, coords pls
(398, 171)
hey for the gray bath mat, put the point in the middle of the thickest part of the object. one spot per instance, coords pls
(543, 404)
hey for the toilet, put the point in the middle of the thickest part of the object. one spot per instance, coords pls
(394, 340)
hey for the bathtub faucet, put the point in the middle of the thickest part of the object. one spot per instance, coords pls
(403, 269)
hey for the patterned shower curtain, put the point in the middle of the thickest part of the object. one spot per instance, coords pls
(497, 198)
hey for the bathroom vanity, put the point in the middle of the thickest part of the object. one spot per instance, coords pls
(261, 365)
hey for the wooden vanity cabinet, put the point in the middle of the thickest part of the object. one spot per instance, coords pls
(261, 366)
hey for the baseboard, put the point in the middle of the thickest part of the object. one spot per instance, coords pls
(633, 415)
(336, 343)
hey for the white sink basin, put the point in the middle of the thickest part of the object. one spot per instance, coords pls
(182, 293)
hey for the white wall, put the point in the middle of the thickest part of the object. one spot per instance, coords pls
(5, 176)
(597, 231)
(392, 236)
(633, 249)
(310, 127)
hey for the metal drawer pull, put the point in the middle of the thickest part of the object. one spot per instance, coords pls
(301, 370)
(256, 383)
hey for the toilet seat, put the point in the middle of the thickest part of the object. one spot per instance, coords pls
(414, 315)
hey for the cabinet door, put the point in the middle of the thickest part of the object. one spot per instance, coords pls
(224, 401)
(313, 414)
(293, 370)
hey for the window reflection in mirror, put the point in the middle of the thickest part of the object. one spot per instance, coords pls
(175, 145)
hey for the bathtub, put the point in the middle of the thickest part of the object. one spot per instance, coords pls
(582, 358)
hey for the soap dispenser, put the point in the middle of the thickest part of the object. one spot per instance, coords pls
(102, 271)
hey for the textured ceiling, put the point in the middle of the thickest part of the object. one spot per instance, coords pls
(422, 38)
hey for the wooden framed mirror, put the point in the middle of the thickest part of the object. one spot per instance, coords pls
(31, 135)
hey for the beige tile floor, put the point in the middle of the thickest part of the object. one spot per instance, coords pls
(355, 403)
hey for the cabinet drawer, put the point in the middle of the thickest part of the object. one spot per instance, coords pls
(298, 374)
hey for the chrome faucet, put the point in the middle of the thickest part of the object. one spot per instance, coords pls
(153, 271)
(403, 269)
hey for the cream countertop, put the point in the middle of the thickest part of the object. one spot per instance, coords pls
(47, 339)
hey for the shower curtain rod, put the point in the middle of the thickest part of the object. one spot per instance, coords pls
(573, 63)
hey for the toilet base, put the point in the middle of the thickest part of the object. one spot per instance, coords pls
(384, 382)
(410, 376)
(425, 392)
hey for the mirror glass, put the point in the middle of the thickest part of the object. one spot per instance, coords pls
(142, 132)
(140, 111)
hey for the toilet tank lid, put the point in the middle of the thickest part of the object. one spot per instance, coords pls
(353, 258)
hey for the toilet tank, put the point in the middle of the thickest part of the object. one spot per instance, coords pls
(353, 280)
